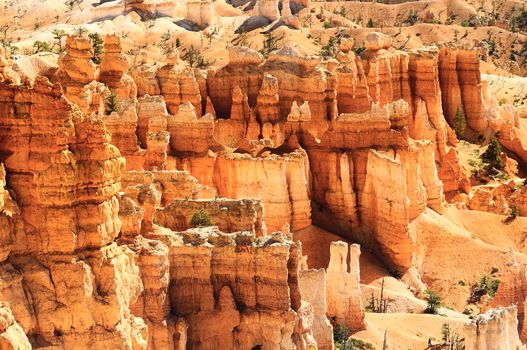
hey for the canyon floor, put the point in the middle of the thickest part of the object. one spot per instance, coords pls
(263, 174)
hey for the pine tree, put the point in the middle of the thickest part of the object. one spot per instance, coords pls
(460, 123)
(97, 47)
(112, 104)
(492, 157)
(370, 23)
(58, 34)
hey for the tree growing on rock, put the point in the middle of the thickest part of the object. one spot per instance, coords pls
(201, 219)
(492, 157)
(97, 47)
(460, 123)
(112, 104)
(270, 43)
(433, 302)
(58, 34)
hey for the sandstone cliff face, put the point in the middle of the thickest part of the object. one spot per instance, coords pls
(228, 215)
(462, 87)
(113, 67)
(228, 306)
(344, 303)
(286, 201)
(496, 329)
(78, 284)
(178, 85)
(313, 285)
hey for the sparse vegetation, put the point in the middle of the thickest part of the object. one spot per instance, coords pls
(270, 43)
(514, 212)
(58, 34)
(412, 19)
(332, 47)
(492, 158)
(41, 46)
(460, 123)
(195, 59)
(201, 219)
(341, 337)
(165, 45)
(451, 339)
(112, 104)
(487, 285)
(97, 47)
(378, 305)
(433, 302)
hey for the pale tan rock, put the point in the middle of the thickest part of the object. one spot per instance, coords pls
(496, 329)
(200, 12)
(267, 107)
(172, 184)
(344, 303)
(376, 41)
(312, 284)
(227, 214)
(285, 200)
(12, 336)
(267, 9)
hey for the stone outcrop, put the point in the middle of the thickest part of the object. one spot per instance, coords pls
(113, 67)
(178, 85)
(11, 334)
(344, 303)
(285, 201)
(200, 12)
(500, 199)
(227, 306)
(312, 284)
(227, 214)
(76, 68)
(462, 87)
(496, 329)
(267, 9)
(78, 284)
(172, 184)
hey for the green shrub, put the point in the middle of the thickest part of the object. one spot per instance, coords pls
(460, 123)
(492, 157)
(112, 104)
(514, 212)
(200, 219)
(433, 302)
(412, 19)
(97, 47)
(487, 285)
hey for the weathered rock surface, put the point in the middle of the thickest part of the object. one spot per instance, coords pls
(343, 296)
(496, 329)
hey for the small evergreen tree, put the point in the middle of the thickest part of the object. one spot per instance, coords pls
(201, 219)
(97, 47)
(492, 157)
(41, 46)
(112, 104)
(445, 332)
(270, 43)
(370, 23)
(514, 212)
(460, 123)
(58, 34)
(433, 300)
